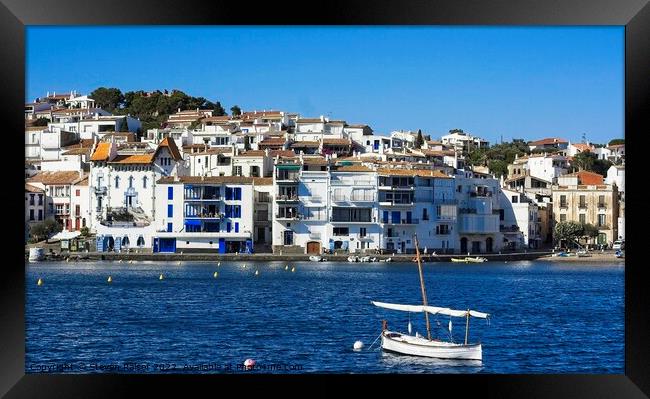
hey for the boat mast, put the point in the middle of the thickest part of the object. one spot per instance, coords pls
(424, 291)
(467, 327)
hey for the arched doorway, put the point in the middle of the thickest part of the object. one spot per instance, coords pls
(110, 243)
(313, 247)
(125, 242)
(463, 245)
(140, 242)
(488, 244)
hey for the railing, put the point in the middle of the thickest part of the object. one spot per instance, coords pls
(286, 197)
(563, 205)
(202, 215)
(509, 228)
(402, 221)
(100, 190)
(582, 205)
(395, 203)
(601, 205)
(394, 187)
(485, 194)
(288, 216)
(347, 220)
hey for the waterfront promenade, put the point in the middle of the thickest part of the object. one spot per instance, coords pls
(269, 257)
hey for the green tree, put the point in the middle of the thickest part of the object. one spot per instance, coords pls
(218, 109)
(498, 167)
(41, 122)
(601, 166)
(419, 140)
(107, 98)
(616, 141)
(584, 160)
(589, 231)
(43, 231)
(567, 231)
(477, 157)
(235, 110)
(85, 231)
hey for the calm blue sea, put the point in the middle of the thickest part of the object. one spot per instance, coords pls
(546, 317)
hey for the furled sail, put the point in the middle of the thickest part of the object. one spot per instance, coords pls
(431, 309)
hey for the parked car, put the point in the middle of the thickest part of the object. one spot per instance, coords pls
(619, 244)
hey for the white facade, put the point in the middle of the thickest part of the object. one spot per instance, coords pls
(520, 224)
(616, 175)
(33, 143)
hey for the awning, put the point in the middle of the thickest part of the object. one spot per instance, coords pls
(65, 235)
(291, 167)
(430, 309)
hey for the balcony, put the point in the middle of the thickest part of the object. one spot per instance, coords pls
(101, 190)
(402, 221)
(602, 205)
(395, 203)
(393, 187)
(206, 215)
(563, 205)
(286, 198)
(483, 194)
(508, 229)
(582, 205)
(288, 216)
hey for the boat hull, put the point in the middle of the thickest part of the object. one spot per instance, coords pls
(36, 254)
(415, 346)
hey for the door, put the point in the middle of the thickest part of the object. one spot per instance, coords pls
(403, 247)
(463, 245)
(77, 223)
(488, 244)
(313, 248)
(261, 236)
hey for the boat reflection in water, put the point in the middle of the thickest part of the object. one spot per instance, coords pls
(430, 364)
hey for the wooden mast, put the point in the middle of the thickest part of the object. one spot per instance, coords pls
(467, 327)
(424, 292)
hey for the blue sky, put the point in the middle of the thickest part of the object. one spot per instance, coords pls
(514, 82)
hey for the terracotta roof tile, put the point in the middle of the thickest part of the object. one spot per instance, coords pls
(550, 140)
(33, 189)
(173, 149)
(134, 159)
(60, 177)
(102, 152)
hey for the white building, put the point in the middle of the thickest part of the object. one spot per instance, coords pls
(520, 225)
(541, 166)
(33, 142)
(215, 161)
(34, 205)
(206, 214)
(123, 192)
(463, 142)
(64, 190)
(616, 175)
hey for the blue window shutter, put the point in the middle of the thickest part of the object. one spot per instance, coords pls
(228, 193)
(170, 210)
(228, 227)
(236, 227)
(170, 193)
(169, 227)
(238, 193)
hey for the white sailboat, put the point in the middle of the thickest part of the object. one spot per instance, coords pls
(420, 346)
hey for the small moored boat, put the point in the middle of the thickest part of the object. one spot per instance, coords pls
(475, 260)
(36, 254)
(353, 259)
(316, 258)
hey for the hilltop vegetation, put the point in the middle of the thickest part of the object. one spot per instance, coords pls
(151, 108)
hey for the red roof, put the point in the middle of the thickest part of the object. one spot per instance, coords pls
(547, 141)
(588, 178)
(171, 146)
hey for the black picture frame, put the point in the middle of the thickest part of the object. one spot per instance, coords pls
(633, 14)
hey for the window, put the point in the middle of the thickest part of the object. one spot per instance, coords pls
(425, 215)
(228, 211)
(170, 210)
(170, 193)
(362, 232)
(562, 217)
(237, 192)
(582, 218)
(144, 182)
(40, 214)
(563, 201)
(31, 214)
(228, 193)
(228, 227)
(501, 214)
(40, 199)
(236, 211)
(236, 227)
(602, 219)
(515, 199)
(583, 202)
(237, 171)
(169, 227)
(117, 182)
(601, 201)
(78, 193)
(442, 229)
(77, 209)
(31, 199)
(130, 181)
(341, 231)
